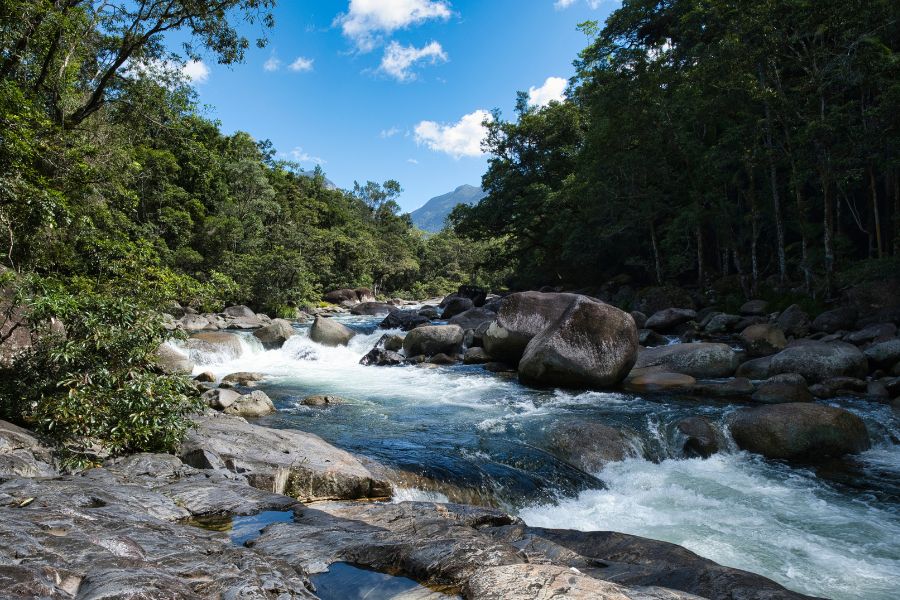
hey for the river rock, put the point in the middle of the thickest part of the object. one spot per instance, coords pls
(668, 319)
(738, 387)
(794, 321)
(380, 357)
(798, 431)
(22, 454)
(394, 343)
(220, 398)
(650, 339)
(817, 361)
(880, 332)
(255, 404)
(220, 343)
(591, 344)
(450, 545)
(473, 318)
(591, 446)
(172, 362)
(191, 322)
(404, 320)
(521, 317)
(275, 335)
(640, 319)
(657, 381)
(701, 438)
(838, 319)
(757, 368)
(205, 377)
(239, 311)
(701, 360)
(443, 359)
(433, 339)
(329, 332)
(781, 392)
(322, 400)
(721, 323)
(244, 378)
(754, 308)
(884, 355)
(372, 309)
(456, 306)
(763, 339)
(476, 356)
(297, 464)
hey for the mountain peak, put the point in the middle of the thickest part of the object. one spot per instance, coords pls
(432, 215)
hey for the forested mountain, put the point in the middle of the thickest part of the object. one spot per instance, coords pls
(432, 215)
(756, 140)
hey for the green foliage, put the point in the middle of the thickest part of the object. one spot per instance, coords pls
(89, 381)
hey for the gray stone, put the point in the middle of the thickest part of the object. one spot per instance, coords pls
(653, 380)
(172, 362)
(880, 332)
(244, 378)
(220, 398)
(591, 344)
(275, 335)
(240, 312)
(220, 343)
(591, 446)
(255, 404)
(794, 321)
(798, 431)
(329, 332)
(668, 319)
(476, 356)
(322, 400)
(455, 306)
(473, 318)
(701, 438)
(838, 319)
(433, 339)
(780, 392)
(817, 361)
(650, 339)
(885, 354)
(738, 387)
(701, 360)
(754, 308)
(372, 309)
(721, 323)
(405, 320)
(758, 368)
(521, 317)
(763, 339)
(22, 454)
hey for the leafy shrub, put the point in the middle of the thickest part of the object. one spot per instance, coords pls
(91, 384)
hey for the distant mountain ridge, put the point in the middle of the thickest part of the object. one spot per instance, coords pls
(431, 215)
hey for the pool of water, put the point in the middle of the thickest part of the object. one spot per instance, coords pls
(830, 530)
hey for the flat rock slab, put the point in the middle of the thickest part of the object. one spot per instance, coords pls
(22, 454)
(294, 463)
(484, 552)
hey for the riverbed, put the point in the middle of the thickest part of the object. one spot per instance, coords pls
(829, 530)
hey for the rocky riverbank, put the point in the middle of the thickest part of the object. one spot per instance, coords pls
(127, 530)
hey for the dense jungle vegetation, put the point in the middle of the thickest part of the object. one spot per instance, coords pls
(757, 141)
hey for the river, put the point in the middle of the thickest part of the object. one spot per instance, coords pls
(829, 530)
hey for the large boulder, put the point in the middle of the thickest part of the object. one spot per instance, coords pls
(757, 368)
(350, 296)
(781, 392)
(700, 437)
(884, 355)
(255, 404)
(798, 431)
(329, 332)
(22, 454)
(477, 295)
(877, 333)
(838, 319)
(591, 344)
(700, 360)
(817, 361)
(473, 318)
(651, 380)
(754, 308)
(405, 320)
(668, 319)
(372, 309)
(239, 311)
(220, 398)
(794, 321)
(763, 339)
(293, 463)
(591, 446)
(204, 345)
(456, 306)
(172, 362)
(521, 317)
(433, 339)
(720, 323)
(276, 334)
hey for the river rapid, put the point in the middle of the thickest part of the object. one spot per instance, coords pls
(829, 530)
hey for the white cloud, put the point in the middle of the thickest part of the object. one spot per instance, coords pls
(196, 71)
(398, 61)
(366, 20)
(299, 155)
(459, 139)
(554, 88)
(563, 4)
(389, 133)
(301, 64)
(273, 64)
(412, 161)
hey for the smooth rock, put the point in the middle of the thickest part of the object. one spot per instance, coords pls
(255, 404)
(433, 339)
(640, 319)
(700, 360)
(830, 321)
(456, 306)
(591, 344)
(275, 335)
(794, 321)
(880, 332)
(798, 431)
(781, 392)
(322, 400)
(591, 446)
(668, 319)
(650, 339)
(404, 320)
(885, 354)
(372, 309)
(738, 387)
(521, 317)
(817, 361)
(172, 362)
(757, 368)
(329, 332)
(473, 318)
(658, 381)
(244, 378)
(22, 454)
(763, 339)
(205, 377)
(754, 308)
(701, 438)
(239, 311)
(721, 323)
(476, 356)
(227, 345)
(220, 398)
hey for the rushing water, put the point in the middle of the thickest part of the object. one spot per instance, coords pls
(831, 530)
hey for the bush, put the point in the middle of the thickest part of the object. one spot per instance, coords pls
(91, 385)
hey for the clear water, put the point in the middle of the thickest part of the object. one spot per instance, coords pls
(344, 581)
(833, 531)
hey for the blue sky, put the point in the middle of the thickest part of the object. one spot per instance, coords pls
(391, 89)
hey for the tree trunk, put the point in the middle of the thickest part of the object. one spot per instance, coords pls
(700, 273)
(776, 195)
(657, 263)
(875, 212)
(828, 234)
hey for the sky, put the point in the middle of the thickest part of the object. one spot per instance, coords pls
(395, 89)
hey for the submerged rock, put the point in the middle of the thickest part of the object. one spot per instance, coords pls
(798, 431)
(701, 438)
(591, 344)
(591, 446)
(329, 332)
(433, 339)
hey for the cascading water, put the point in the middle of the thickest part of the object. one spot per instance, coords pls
(834, 532)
